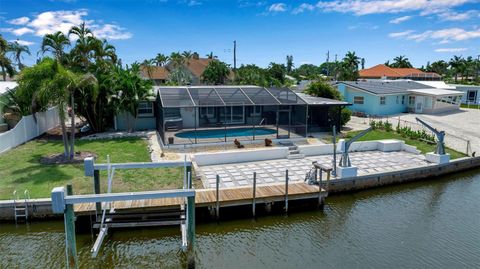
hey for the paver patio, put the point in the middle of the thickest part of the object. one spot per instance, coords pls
(273, 171)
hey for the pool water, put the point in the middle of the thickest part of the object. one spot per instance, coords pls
(220, 133)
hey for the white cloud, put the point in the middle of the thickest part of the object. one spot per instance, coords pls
(450, 15)
(444, 36)
(364, 7)
(110, 31)
(400, 19)
(303, 7)
(52, 21)
(277, 7)
(400, 34)
(450, 50)
(23, 42)
(19, 21)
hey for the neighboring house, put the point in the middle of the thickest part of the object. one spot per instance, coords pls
(5, 86)
(472, 93)
(194, 68)
(382, 71)
(280, 110)
(390, 97)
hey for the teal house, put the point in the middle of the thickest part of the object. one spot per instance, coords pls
(390, 97)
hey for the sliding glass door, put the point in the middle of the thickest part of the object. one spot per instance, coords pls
(233, 114)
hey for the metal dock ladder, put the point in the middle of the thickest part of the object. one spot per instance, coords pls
(21, 209)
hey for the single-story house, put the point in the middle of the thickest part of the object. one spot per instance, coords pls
(5, 86)
(196, 114)
(382, 71)
(471, 93)
(389, 97)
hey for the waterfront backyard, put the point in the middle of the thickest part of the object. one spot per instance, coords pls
(21, 169)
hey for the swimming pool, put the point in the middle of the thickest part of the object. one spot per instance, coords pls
(220, 133)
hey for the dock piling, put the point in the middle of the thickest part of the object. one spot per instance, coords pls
(254, 192)
(286, 191)
(71, 243)
(217, 209)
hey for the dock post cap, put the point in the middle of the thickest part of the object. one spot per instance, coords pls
(58, 200)
(89, 166)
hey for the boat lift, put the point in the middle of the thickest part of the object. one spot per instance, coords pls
(106, 215)
(345, 146)
(440, 149)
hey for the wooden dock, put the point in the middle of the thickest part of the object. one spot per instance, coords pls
(237, 196)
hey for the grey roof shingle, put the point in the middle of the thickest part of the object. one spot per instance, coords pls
(386, 87)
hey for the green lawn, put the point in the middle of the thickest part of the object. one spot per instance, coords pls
(470, 106)
(422, 146)
(20, 168)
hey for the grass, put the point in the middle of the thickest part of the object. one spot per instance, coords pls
(20, 168)
(470, 106)
(421, 145)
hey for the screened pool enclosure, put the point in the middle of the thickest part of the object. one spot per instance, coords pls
(203, 114)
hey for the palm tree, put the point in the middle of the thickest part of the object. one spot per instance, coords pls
(351, 60)
(103, 51)
(5, 62)
(362, 63)
(187, 54)
(401, 62)
(211, 56)
(59, 91)
(83, 45)
(177, 59)
(289, 64)
(17, 50)
(456, 65)
(147, 64)
(55, 43)
(161, 59)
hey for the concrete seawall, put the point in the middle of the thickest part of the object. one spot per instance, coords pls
(42, 208)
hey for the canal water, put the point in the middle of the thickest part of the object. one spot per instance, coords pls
(434, 224)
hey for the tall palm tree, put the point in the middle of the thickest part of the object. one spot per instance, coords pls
(401, 62)
(187, 54)
(5, 63)
(289, 63)
(60, 91)
(17, 50)
(161, 59)
(351, 60)
(84, 44)
(211, 56)
(55, 43)
(456, 65)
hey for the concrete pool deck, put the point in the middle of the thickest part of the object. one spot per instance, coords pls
(273, 171)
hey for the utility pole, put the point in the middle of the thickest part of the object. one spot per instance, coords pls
(328, 66)
(234, 59)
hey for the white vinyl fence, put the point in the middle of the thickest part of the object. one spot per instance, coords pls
(27, 129)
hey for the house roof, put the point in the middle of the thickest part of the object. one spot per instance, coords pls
(156, 72)
(197, 66)
(437, 84)
(382, 70)
(383, 87)
(436, 92)
(204, 96)
(7, 85)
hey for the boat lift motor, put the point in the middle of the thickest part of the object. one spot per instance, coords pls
(345, 168)
(439, 156)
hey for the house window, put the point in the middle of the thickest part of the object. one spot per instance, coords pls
(403, 99)
(208, 112)
(257, 111)
(398, 100)
(145, 109)
(382, 100)
(411, 100)
(358, 100)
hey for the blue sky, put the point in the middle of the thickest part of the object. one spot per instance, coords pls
(266, 31)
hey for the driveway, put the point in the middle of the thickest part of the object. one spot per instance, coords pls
(459, 126)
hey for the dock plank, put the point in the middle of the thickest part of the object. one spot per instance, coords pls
(207, 197)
